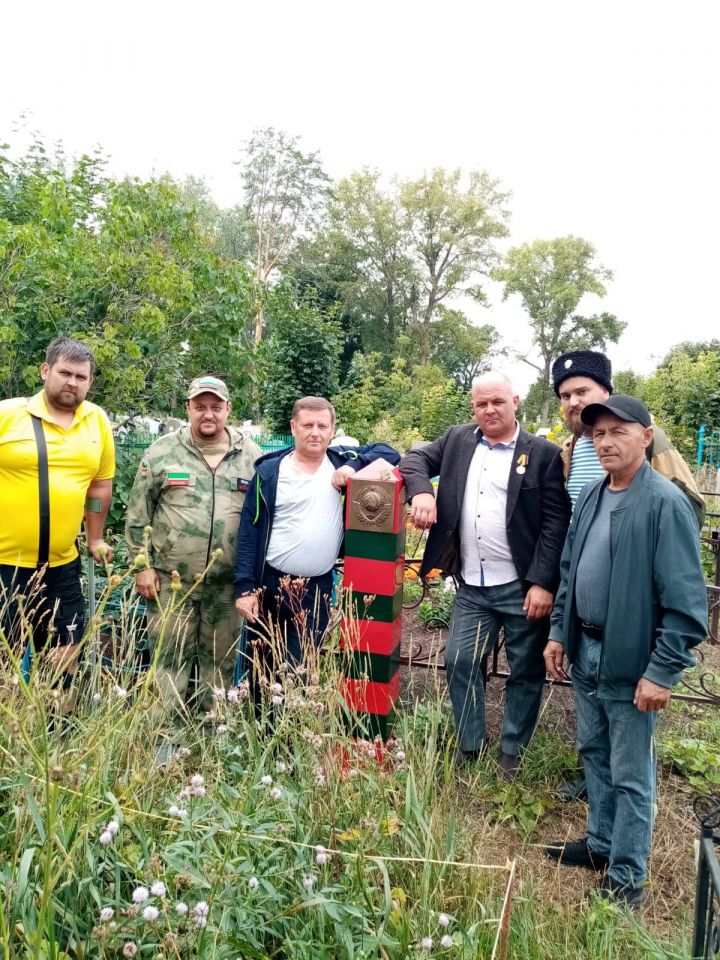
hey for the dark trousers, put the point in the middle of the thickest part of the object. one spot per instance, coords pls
(478, 614)
(47, 601)
(294, 614)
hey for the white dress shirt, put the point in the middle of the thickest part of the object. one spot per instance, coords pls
(485, 555)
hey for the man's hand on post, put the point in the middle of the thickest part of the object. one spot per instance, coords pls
(340, 477)
(100, 551)
(147, 584)
(554, 655)
(247, 607)
(650, 696)
(423, 511)
(538, 603)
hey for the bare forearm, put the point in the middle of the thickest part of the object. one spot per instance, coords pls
(97, 504)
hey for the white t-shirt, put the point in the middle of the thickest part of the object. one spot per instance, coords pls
(307, 527)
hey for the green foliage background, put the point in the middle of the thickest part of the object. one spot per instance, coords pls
(348, 290)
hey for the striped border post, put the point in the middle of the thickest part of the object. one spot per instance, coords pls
(373, 580)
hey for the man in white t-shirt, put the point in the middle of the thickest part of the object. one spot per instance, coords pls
(291, 532)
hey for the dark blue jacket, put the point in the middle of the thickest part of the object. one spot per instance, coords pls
(259, 508)
(657, 605)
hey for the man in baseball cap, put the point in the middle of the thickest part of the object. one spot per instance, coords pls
(190, 489)
(582, 378)
(630, 607)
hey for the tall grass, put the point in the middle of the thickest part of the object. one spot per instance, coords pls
(271, 832)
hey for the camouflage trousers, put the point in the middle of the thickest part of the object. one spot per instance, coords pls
(202, 632)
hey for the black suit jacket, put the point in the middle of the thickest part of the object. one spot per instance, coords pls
(537, 511)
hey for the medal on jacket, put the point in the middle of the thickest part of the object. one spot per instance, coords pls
(522, 462)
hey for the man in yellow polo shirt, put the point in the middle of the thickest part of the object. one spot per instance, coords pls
(57, 461)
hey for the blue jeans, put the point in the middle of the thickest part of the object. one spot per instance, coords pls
(615, 741)
(478, 615)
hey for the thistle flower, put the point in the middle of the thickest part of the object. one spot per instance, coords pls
(280, 767)
(400, 755)
(354, 773)
(105, 838)
(277, 700)
(233, 695)
(112, 827)
(276, 688)
(426, 943)
(150, 914)
(446, 941)
(197, 780)
(120, 692)
(266, 780)
(184, 794)
(198, 791)
(140, 894)
(181, 908)
(107, 913)
(174, 810)
(182, 753)
(200, 913)
(130, 949)
(309, 881)
(253, 883)
(218, 694)
(158, 889)
(443, 920)
(275, 793)
(321, 855)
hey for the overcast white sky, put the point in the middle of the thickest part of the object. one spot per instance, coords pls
(600, 116)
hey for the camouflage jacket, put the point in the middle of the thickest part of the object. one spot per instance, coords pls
(663, 457)
(192, 509)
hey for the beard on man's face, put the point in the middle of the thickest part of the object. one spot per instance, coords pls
(66, 398)
(574, 424)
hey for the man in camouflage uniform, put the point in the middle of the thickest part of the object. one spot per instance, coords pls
(190, 488)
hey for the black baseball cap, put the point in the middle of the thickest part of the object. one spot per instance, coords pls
(626, 408)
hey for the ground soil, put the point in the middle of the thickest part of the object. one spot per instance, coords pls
(670, 898)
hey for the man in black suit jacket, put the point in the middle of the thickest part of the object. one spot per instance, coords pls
(499, 525)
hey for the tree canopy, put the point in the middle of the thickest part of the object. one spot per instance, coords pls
(552, 277)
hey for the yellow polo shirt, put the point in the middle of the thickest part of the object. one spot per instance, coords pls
(76, 456)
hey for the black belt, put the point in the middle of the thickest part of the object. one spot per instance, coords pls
(590, 630)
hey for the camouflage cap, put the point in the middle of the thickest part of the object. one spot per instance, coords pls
(208, 385)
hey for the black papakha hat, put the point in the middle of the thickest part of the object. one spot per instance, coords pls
(582, 363)
(626, 408)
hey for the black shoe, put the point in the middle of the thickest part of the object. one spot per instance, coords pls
(624, 894)
(577, 853)
(509, 765)
(571, 790)
(463, 758)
